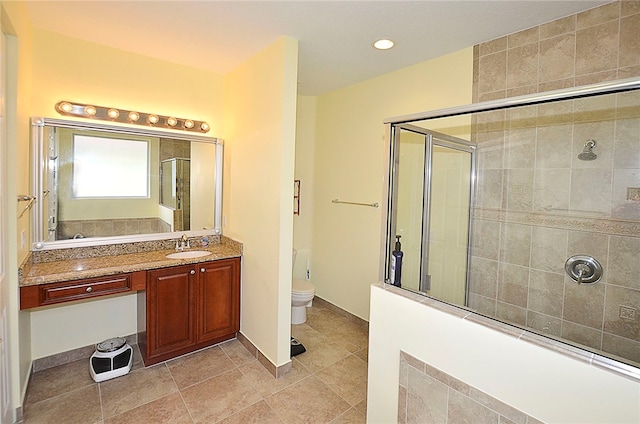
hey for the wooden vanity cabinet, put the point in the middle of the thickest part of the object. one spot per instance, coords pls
(187, 308)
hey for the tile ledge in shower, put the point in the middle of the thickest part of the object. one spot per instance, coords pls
(545, 342)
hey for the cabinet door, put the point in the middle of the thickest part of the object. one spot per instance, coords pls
(170, 309)
(218, 299)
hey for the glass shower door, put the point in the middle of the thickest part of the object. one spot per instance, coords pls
(432, 182)
(447, 256)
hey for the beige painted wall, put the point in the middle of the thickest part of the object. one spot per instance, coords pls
(91, 73)
(349, 164)
(109, 77)
(260, 113)
(15, 24)
(305, 150)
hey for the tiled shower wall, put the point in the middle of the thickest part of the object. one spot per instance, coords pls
(537, 204)
(428, 395)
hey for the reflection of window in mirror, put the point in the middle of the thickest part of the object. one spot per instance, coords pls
(110, 167)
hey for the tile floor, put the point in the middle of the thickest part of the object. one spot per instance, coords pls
(220, 384)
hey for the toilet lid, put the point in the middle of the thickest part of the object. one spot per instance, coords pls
(302, 286)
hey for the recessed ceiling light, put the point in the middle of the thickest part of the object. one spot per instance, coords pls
(383, 44)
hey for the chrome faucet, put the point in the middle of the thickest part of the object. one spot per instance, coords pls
(184, 243)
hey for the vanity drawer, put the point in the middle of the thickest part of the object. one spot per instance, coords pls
(49, 294)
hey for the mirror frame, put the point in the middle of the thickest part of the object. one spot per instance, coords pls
(38, 168)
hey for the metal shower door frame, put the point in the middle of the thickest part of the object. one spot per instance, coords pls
(432, 138)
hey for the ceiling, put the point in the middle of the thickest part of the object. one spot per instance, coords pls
(335, 37)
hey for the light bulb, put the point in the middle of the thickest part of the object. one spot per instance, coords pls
(172, 121)
(188, 123)
(153, 119)
(66, 107)
(113, 113)
(90, 110)
(134, 116)
(383, 44)
(204, 127)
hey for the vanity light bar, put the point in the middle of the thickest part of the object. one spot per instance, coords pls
(130, 117)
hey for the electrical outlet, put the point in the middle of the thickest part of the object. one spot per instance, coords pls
(627, 313)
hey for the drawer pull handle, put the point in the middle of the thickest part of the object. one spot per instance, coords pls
(89, 289)
(193, 271)
(202, 269)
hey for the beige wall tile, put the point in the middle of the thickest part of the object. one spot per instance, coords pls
(520, 144)
(520, 38)
(489, 193)
(558, 27)
(493, 46)
(584, 303)
(556, 85)
(519, 189)
(597, 184)
(592, 244)
(552, 188)
(628, 106)
(597, 48)
(549, 249)
(630, 40)
(522, 65)
(618, 297)
(514, 284)
(544, 323)
(627, 144)
(545, 293)
(493, 72)
(462, 409)
(511, 313)
(625, 348)
(553, 146)
(629, 72)
(597, 77)
(484, 277)
(481, 304)
(557, 58)
(586, 336)
(598, 15)
(521, 91)
(621, 208)
(486, 239)
(629, 7)
(624, 257)
(516, 244)
(490, 151)
(426, 399)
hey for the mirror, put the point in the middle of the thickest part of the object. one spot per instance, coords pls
(100, 184)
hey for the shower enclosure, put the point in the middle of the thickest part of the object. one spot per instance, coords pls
(526, 210)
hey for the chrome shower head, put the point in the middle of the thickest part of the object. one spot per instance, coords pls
(587, 154)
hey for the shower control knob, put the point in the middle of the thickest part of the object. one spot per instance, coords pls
(583, 269)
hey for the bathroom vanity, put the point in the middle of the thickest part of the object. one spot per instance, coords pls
(183, 304)
(188, 307)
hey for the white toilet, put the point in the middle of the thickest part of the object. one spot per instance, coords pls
(302, 292)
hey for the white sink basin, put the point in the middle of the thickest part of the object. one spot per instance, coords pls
(189, 254)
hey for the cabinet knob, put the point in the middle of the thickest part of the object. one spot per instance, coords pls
(89, 289)
(202, 269)
(193, 271)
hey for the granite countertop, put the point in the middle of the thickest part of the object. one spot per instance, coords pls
(79, 268)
